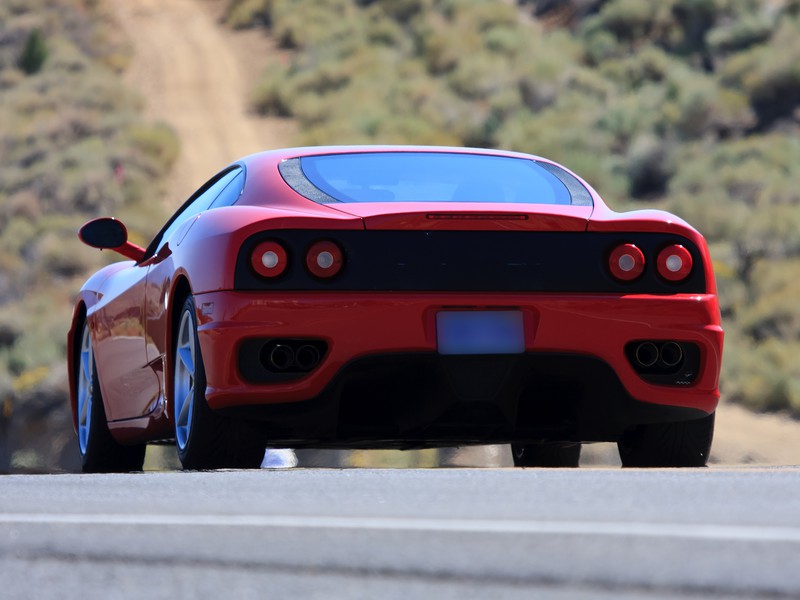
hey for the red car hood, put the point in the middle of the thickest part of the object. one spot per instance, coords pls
(473, 216)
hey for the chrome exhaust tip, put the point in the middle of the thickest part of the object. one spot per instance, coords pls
(280, 357)
(671, 354)
(646, 354)
(307, 357)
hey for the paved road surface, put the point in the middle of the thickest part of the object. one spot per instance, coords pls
(448, 533)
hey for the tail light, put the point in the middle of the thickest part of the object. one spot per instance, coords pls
(674, 263)
(626, 262)
(324, 259)
(269, 259)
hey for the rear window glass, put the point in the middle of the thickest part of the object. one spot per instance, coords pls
(433, 177)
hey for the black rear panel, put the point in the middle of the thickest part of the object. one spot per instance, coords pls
(470, 261)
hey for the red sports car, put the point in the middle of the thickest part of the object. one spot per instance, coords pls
(397, 297)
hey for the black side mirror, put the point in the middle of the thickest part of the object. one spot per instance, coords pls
(104, 233)
(108, 233)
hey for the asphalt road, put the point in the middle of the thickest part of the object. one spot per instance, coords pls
(443, 533)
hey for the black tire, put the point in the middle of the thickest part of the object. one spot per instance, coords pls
(99, 451)
(549, 454)
(682, 444)
(204, 439)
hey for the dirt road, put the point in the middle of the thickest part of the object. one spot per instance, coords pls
(196, 76)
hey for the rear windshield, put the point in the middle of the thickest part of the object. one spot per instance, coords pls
(432, 177)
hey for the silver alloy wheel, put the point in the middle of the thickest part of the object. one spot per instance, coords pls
(85, 388)
(183, 387)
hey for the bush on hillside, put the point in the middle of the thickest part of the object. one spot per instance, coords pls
(34, 53)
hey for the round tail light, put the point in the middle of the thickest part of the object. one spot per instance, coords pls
(269, 259)
(626, 262)
(324, 259)
(674, 263)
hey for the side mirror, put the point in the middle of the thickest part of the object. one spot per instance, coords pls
(108, 233)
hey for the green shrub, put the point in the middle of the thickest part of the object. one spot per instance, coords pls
(770, 74)
(626, 20)
(602, 45)
(268, 96)
(741, 34)
(242, 14)
(650, 165)
(157, 144)
(398, 10)
(34, 53)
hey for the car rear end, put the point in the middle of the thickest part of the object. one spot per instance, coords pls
(465, 321)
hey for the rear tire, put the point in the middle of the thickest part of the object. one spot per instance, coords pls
(547, 454)
(204, 439)
(99, 451)
(682, 444)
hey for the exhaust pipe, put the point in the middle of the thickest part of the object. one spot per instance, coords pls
(306, 357)
(671, 354)
(646, 354)
(280, 357)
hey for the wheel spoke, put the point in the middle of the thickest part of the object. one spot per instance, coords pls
(83, 408)
(183, 417)
(186, 355)
(85, 389)
(184, 375)
(86, 364)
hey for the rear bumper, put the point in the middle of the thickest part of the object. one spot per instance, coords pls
(357, 326)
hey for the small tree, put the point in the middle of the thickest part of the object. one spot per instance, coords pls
(34, 54)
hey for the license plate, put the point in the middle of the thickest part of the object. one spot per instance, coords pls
(480, 332)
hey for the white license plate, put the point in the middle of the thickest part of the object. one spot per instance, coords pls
(480, 332)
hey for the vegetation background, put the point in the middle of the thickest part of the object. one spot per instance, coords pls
(73, 146)
(688, 105)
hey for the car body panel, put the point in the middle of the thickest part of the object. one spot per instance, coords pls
(359, 324)
(484, 217)
(119, 344)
